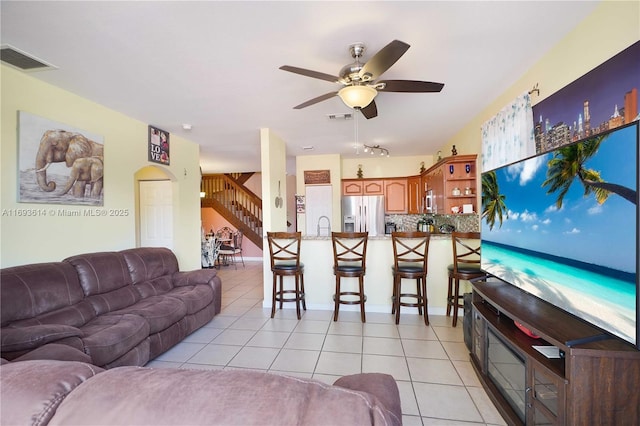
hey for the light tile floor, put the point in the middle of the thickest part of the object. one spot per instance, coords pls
(430, 364)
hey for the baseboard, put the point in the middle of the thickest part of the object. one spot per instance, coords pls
(369, 308)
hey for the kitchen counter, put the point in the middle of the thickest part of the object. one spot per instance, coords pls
(316, 254)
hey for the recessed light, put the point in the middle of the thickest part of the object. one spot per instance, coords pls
(186, 126)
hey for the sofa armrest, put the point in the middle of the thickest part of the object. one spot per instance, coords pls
(32, 391)
(382, 386)
(24, 338)
(184, 278)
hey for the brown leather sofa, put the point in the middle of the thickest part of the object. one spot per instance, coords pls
(65, 392)
(109, 309)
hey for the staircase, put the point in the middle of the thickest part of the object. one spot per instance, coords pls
(242, 208)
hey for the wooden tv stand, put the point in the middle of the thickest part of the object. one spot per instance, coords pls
(595, 383)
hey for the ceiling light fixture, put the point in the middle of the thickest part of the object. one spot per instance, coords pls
(376, 149)
(357, 96)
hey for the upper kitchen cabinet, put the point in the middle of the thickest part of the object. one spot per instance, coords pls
(460, 191)
(395, 196)
(362, 187)
(414, 195)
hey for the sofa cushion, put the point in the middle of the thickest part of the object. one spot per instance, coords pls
(147, 263)
(159, 311)
(55, 351)
(108, 337)
(230, 397)
(198, 276)
(154, 287)
(31, 391)
(21, 338)
(101, 273)
(194, 297)
(40, 288)
(74, 316)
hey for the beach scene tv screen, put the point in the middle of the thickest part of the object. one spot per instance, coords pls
(563, 226)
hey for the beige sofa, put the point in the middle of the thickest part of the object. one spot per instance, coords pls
(75, 393)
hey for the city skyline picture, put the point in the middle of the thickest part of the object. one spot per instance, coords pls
(601, 100)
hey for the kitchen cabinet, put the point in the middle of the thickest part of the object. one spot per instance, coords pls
(395, 196)
(414, 195)
(362, 187)
(451, 183)
(460, 183)
(434, 190)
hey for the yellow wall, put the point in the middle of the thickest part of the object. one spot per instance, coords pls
(611, 28)
(376, 166)
(52, 238)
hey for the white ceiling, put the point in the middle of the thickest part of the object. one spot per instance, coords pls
(214, 65)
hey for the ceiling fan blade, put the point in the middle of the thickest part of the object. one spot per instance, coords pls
(310, 73)
(316, 100)
(370, 111)
(383, 60)
(410, 86)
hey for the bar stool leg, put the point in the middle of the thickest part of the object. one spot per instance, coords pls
(336, 298)
(424, 300)
(304, 303)
(397, 283)
(449, 295)
(297, 295)
(456, 294)
(273, 296)
(419, 298)
(361, 284)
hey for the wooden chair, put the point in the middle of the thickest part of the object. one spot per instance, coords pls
(410, 255)
(284, 251)
(349, 260)
(465, 266)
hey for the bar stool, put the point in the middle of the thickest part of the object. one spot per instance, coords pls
(349, 260)
(410, 254)
(284, 250)
(465, 266)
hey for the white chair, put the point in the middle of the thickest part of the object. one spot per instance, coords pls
(231, 246)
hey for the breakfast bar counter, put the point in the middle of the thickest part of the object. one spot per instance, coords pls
(319, 281)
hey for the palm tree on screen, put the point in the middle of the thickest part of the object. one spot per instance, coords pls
(493, 206)
(568, 163)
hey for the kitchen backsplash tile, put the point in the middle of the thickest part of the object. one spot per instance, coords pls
(461, 222)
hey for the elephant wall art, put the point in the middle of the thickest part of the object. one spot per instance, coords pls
(59, 164)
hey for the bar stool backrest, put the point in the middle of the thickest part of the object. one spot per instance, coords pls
(349, 248)
(284, 248)
(466, 251)
(410, 250)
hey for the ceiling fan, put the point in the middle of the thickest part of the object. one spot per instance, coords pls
(360, 81)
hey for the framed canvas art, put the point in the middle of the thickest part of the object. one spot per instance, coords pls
(158, 146)
(58, 163)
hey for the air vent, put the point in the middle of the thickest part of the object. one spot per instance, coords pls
(346, 116)
(308, 148)
(22, 60)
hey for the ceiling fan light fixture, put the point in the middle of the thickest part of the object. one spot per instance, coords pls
(357, 96)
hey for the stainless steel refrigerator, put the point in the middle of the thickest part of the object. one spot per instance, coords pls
(363, 213)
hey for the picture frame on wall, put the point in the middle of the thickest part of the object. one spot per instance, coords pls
(58, 163)
(159, 146)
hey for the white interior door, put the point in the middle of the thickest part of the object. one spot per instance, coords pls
(319, 206)
(156, 214)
